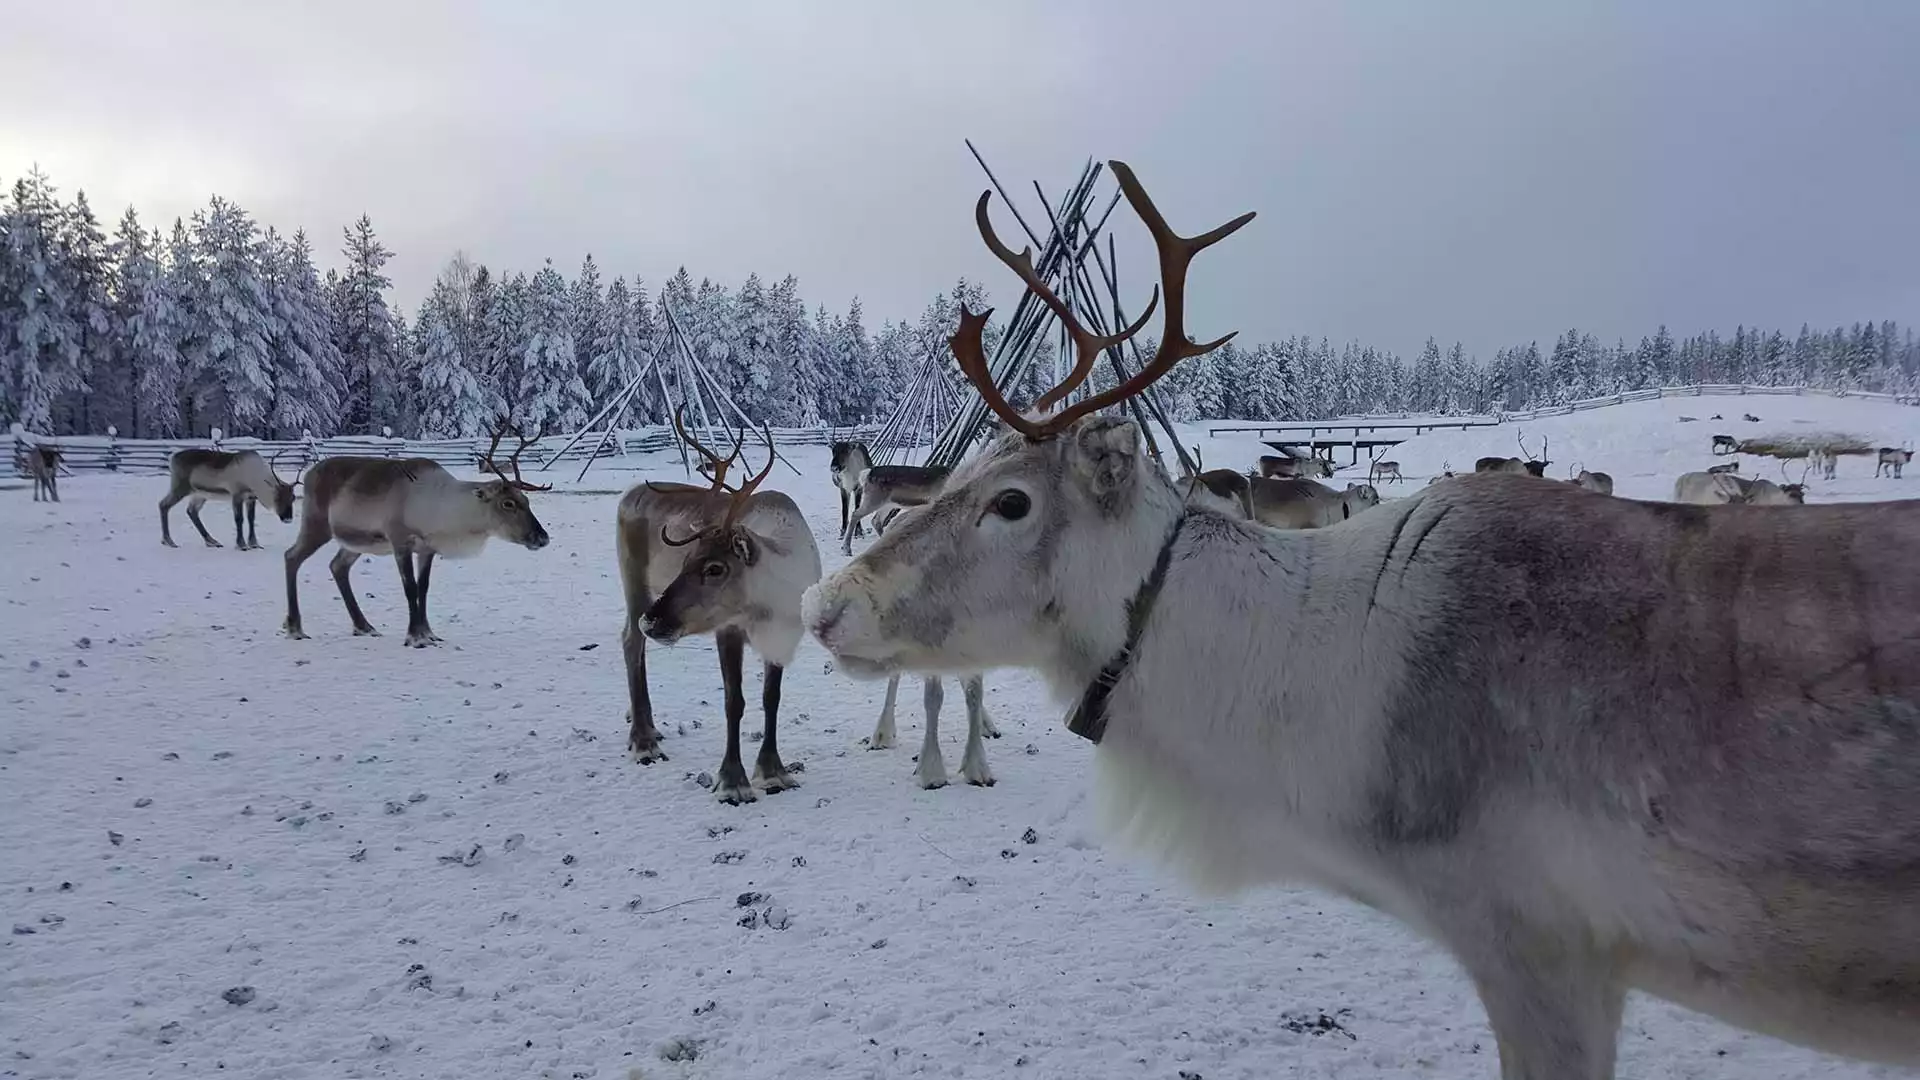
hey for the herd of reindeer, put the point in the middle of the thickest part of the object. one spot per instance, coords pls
(1587, 744)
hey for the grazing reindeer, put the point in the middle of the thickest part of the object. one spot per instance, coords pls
(850, 464)
(1446, 473)
(414, 510)
(1719, 489)
(1725, 444)
(1893, 459)
(736, 571)
(884, 487)
(1591, 481)
(244, 477)
(1313, 466)
(1749, 418)
(1564, 737)
(1823, 462)
(43, 464)
(1729, 467)
(1383, 471)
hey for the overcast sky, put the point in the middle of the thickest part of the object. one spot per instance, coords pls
(1488, 172)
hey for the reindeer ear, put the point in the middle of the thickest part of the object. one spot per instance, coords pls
(1107, 456)
(744, 547)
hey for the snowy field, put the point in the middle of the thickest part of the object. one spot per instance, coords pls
(227, 853)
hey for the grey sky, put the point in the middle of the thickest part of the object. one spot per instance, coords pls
(1487, 172)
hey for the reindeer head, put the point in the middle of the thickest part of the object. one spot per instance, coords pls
(509, 513)
(1017, 561)
(715, 579)
(1536, 466)
(282, 493)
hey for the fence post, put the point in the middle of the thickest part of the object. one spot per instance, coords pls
(113, 448)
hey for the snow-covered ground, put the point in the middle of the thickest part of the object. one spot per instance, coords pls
(227, 853)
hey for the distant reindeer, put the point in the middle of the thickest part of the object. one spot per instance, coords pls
(1589, 746)
(1526, 463)
(1750, 418)
(1893, 459)
(1295, 503)
(1823, 462)
(414, 510)
(43, 464)
(1725, 444)
(1446, 473)
(1591, 481)
(735, 570)
(244, 477)
(1719, 489)
(851, 460)
(1729, 467)
(890, 487)
(1381, 471)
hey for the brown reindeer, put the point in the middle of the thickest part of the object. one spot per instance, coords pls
(720, 561)
(43, 464)
(244, 477)
(1589, 745)
(412, 509)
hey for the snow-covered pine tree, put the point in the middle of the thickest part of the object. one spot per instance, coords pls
(757, 358)
(86, 262)
(229, 366)
(712, 326)
(508, 331)
(798, 381)
(616, 358)
(368, 335)
(553, 397)
(587, 314)
(856, 359)
(823, 342)
(145, 334)
(648, 346)
(453, 404)
(305, 363)
(1458, 392)
(40, 356)
(894, 350)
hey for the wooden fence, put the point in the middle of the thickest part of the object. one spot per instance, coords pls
(105, 453)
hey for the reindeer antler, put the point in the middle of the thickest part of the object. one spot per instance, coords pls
(737, 500)
(1176, 254)
(488, 463)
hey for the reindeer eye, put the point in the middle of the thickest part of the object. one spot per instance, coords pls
(714, 570)
(508, 504)
(1012, 504)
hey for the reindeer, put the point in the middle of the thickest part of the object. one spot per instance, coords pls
(735, 570)
(1749, 418)
(414, 510)
(244, 477)
(890, 487)
(1823, 462)
(1893, 459)
(1725, 444)
(851, 460)
(43, 464)
(1381, 471)
(1712, 488)
(1579, 477)
(1526, 464)
(1439, 710)
(1446, 473)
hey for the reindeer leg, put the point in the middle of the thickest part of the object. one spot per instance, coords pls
(253, 533)
(193, 514)
(423, 573)
(313, 536)
(768, 770)
(417, 635)
(973, 764)
(239, 523)
(643, 739)
(342, 565)
(731, 786)
(174, 494)
(932, 772)
(884, 734)
(1554, 1004)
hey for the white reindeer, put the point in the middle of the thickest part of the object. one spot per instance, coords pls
(1588, 745)
(244, 477)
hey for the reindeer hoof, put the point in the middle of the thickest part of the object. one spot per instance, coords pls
(168, 543)
(776, 783)
(421, 641)
(646, 755)
(294, 633)
(735, 796)
(880, 741)
(365, 631)
(983, 779)
(933, 783)
(215, 543)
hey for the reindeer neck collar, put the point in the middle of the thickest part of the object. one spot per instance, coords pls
(1089, 719)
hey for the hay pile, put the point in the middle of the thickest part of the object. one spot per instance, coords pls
(1799, 444)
